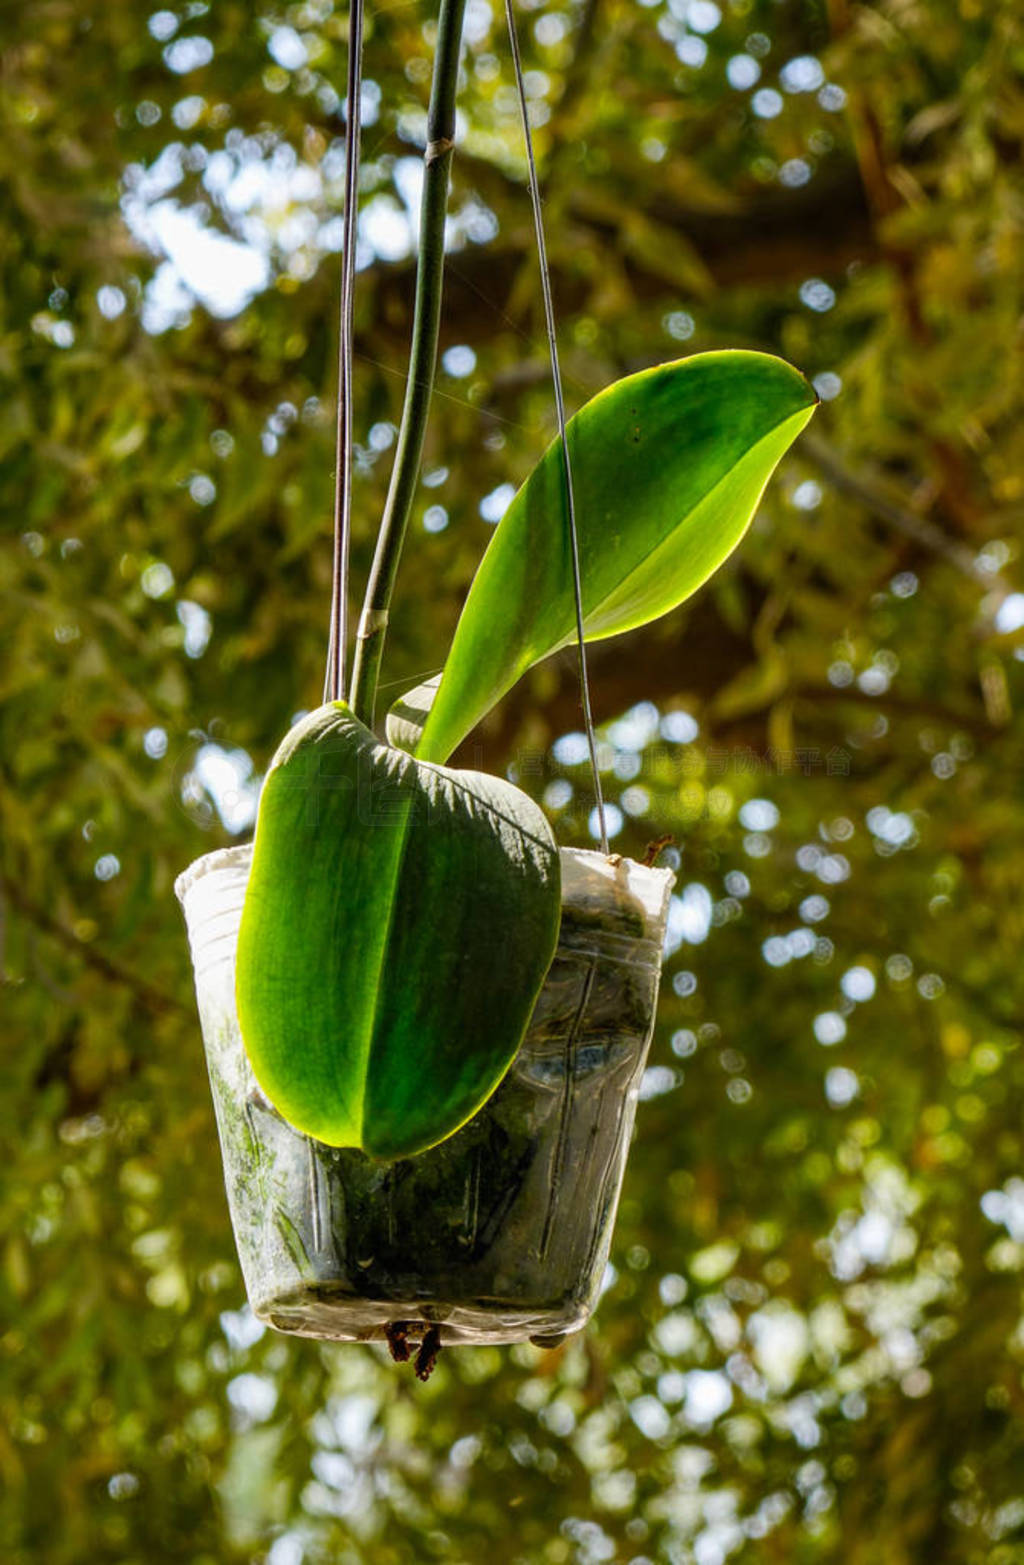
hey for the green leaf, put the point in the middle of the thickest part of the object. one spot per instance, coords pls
(398, 923)
(407, 716)
(668, 468)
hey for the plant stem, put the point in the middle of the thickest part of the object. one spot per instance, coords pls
(437, 161)
(334, 680)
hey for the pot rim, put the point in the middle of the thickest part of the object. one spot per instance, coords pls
(235, 857)
(239, 855)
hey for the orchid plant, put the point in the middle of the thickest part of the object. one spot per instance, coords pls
(401, 914)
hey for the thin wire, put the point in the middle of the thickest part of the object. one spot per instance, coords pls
(462, 402)
(334, 679)
(549, 320)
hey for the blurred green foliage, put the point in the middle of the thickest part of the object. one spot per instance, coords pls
(811, 1347)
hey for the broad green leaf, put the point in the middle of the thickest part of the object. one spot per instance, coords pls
(407, 716)
(668, 468)
(398, 923)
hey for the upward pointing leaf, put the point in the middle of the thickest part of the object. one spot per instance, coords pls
(408, 714)
(398, 923)
(668, 468)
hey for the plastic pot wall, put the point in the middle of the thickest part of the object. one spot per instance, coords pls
(498, 1234)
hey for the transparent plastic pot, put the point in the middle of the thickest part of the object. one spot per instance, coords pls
(500, 1233)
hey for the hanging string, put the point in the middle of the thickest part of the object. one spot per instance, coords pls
(334, 679)
(556, 376)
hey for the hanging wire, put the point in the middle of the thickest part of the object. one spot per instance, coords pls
(334, 679)
(556, 376)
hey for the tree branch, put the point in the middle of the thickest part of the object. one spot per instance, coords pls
(152, 999)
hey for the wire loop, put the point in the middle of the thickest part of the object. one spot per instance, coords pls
(556, 376)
